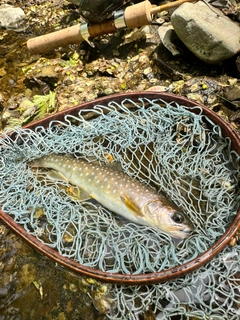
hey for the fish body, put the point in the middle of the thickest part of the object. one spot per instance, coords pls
(120, 193)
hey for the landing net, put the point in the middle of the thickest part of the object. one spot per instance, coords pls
(164, 145)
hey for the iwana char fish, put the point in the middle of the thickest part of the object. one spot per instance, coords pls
(120, 193)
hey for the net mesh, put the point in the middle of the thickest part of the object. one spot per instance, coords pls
(169, 148)
(211, 292)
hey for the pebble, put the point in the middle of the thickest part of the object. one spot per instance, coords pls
(206, 31)
(232, 93)
(3, 292)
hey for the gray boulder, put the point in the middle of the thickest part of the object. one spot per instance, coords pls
(206, 31)
(11, 17)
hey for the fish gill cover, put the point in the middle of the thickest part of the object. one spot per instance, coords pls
(169, 148)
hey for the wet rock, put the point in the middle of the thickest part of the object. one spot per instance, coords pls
(209, 34)
(87, 312)
(238, 64)
(157, 88)
(233, 93)
(43, 78)
(3, 292)
(232, 96)
(11, 17)
(166, 34)
(26, 276)
(10, 263)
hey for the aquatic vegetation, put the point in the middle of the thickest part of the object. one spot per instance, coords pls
(45, 103)
(37, 108)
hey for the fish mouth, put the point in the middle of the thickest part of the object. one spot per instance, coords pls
(182, 234)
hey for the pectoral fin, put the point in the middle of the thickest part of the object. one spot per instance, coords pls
(132, 205)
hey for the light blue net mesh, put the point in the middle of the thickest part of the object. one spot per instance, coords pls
(164, 145)
(211, 292)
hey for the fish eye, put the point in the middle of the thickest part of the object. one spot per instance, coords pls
(177, 217)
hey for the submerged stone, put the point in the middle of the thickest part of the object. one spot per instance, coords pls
(208, 33)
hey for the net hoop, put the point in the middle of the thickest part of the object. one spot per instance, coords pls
(135, 279)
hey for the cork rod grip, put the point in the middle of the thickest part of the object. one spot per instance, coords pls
(55, 40)
(64, 37)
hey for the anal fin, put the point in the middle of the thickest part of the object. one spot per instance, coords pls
(78, 194)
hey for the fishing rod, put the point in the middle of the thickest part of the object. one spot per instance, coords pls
(133, 16)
